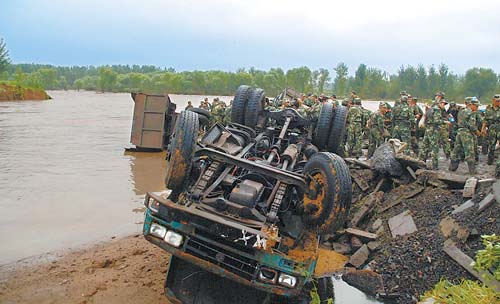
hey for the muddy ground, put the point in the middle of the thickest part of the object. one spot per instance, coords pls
(127, 270)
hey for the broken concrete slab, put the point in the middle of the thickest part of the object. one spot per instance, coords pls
(465, 261)
(468, 204)
(378, 222)
(373, 245)
(368, 203)
(356, 243)
(365, 280)
(402, 224)
(454, 181)
(486, 202)
(361, 233)
(341, 248)
(360, 163)
(470, 187)
(360, 256)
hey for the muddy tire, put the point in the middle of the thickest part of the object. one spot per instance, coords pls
(181, 151)
(328, 203)
(254, 107)
(337, 130)
(239, 104)
(322, 130)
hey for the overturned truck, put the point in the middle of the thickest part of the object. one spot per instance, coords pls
(248, 204)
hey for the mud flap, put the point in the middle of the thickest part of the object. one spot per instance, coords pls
(189, 284)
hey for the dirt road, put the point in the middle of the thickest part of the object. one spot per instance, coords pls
(127, 270)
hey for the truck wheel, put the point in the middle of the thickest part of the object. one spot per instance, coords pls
(337, 130)
(323, 126)
(203, 116)
(239, 104)
(327, 203)
(254, 107)
(180, 152)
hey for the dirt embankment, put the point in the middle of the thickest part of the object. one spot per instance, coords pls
(14, 92)
(128, 270)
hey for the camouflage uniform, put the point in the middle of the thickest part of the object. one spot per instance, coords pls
(431, 142)
(403, 121)
(218, 112)
(354, 131)
(417, 112)
(388, 119)
(477, 137)
(464, 142)
(492, 121)
(444, 134)
(376, 130)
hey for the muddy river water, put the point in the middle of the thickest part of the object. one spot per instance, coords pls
(65, 180)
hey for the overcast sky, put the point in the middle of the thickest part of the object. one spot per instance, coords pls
(223, 34)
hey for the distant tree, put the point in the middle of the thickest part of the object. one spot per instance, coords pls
(107, 79)
(359, 81)
(78, 84)
(323, 78)
(62, 83)
(300, 79)
(340, 82)
(421, 89)
(480, 82)
(4, 56)
(48, 78)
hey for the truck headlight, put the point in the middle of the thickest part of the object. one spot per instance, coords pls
(287, 280)
(268, 275)
(173, 238)
(157, 230)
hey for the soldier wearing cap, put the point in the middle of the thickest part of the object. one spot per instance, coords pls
(218, 111)
(464, 144)
(432, 137)
(376, 129)
(403, 121)
(453, 115)
(189, 105)
(355, 129)
(491, 125)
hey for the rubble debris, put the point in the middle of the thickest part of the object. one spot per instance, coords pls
(360, 163)
(359, 178)
(411, 162)
(412, 173)
(368, 203)
(409, 192)
(356, 243)
(465, 261)
(470, 187)
(402, 224)
(486, 202)
(468, 204)
(361, 233)
(496, 191)
(449, 225)
(365, 280)
(360, 256)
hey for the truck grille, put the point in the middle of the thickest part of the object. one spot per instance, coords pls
(237, 264)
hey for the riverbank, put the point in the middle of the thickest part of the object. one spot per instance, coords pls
(125, 270)
(10, 92)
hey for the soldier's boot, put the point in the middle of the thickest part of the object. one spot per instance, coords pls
(453, 165)
(472, 167)
(491, 158)
(447, 156)
(434, 165)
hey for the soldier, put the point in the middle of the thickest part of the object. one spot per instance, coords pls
(355, 129)
(376, 129)
(464, 144)
(227, 114)
(189, 105)
(205, 105)
(434, 123)
(492, 122)
(388, 118)
(218, 112)
(418, 113)
(444, 132)
(403, 121)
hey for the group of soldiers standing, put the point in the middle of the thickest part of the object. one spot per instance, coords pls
(458, 131)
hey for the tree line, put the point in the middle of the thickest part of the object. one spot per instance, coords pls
(368, 82)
